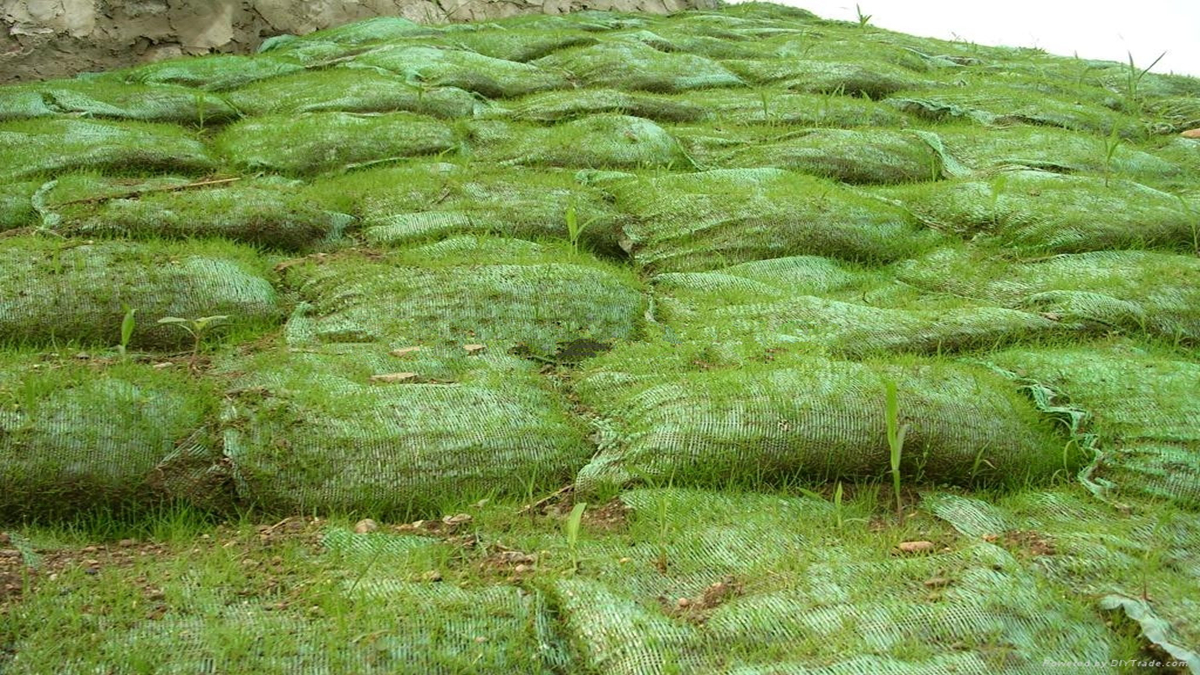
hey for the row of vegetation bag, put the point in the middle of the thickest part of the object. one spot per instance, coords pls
(686, 414)
(350, 429)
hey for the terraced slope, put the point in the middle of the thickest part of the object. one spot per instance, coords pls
(866, 353)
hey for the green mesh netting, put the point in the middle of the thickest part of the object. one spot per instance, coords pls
(1135, 291)
(992, 103)
(555, 106)
(1138, 563)
(770, 592)
(1140, 405)
(633, 65)
(740, 335)
(715, 218)
(870, 80)
(111, 98)
(215, 72)
(593, 142)
(712, 307)
(78, 436)
(493, 78)
(780, 106)
(268, 212)
(522, 45)
(324, 141)
(32, 147)
(54, 291)
(466, 290)
(867, 156)
(1050, 212)
(312, 430)
(1058, 150)
(703, 423)
(419, 202)
(350, 90)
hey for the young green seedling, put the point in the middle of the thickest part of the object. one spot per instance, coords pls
(197, 328)
(1110, 150)
(127, 326)
(863, 19)
(575, 228)
(895, 438)
(572, 530)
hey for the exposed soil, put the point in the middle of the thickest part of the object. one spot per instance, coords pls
(1028, 542)
(697, 610)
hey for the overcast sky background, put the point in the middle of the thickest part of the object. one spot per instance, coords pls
(1096, 29)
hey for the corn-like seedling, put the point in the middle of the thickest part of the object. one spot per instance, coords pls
(575, 229)
(127, 326)
(572, 531)
(1110, 150)
(863, 19)
(895, 438)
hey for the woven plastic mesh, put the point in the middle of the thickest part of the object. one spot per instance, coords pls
(555, 106)
(500, 293)
(1140, 405)
(593, 142)
(1057, 150)
(636, 66)
(811, 417)
(325, 141)
(522, 45)
(797, 605)
(312, 430)
(772, 316)
(998, 104)
(33, 147)
(215, 72)
(350, 90)
(268, 213)
(420, 202)
(493, 78)
(1141, 562)
(717, 218)
(1047, 212)
(54, 291)
(1134, 291)
(764, 309)
(849, 156)
(112, 98)
(77, 438)
(872, 80)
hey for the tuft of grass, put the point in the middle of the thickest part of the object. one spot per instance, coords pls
(1133, 80)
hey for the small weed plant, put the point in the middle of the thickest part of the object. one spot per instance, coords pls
(197, 328)
(574, 520)
(895, 438)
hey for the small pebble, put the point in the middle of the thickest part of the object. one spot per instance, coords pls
(365, 525)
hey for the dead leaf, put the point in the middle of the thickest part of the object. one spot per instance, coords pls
(393, 377)
(473, 349)
(365, 525)
(404, 351)
(1191, 133)
(916, 546)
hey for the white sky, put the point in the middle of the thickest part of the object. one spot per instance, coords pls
(1096, 29)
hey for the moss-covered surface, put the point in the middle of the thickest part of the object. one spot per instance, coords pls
(713, 274)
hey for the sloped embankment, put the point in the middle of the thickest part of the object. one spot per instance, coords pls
(696, 265)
